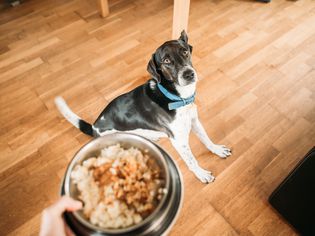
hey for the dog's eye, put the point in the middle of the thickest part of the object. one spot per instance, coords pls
(167, 61)
(185, 53)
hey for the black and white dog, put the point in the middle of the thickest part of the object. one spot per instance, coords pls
(162, 107)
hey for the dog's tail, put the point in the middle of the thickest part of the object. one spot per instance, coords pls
(72, 117)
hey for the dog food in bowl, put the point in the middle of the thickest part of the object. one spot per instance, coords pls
(119, 188)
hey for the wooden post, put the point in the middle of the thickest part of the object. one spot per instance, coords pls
(180, 17)
(104, 7)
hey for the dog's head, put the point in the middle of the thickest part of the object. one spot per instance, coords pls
(172, 62)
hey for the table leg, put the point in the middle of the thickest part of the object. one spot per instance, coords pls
(104, 7)
(180, 17)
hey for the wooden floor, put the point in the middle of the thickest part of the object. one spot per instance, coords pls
(256, 94)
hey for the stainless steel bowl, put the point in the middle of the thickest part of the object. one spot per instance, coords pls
(158, 222)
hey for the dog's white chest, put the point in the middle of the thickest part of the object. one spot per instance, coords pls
(182, 122)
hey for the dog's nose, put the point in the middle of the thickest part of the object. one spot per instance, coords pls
(189, 75)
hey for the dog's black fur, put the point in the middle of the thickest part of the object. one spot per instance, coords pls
(145, 107)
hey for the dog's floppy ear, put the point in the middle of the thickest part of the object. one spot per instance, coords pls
(183, 37)
(152, 69)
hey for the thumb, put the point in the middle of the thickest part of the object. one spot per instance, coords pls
(66, 204)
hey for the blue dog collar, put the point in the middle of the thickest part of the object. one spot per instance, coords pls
(177, 101)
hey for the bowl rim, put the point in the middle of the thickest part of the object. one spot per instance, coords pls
(181, 201)
(77, 159)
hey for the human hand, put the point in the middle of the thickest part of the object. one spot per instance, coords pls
(52, 221)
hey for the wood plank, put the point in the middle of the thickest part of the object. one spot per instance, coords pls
(256, 94)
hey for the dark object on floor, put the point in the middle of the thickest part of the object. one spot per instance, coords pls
(294, 199)
(264, 1)
(12, 3)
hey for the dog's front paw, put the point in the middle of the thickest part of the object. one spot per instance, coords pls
(203, 175)
(221, 150)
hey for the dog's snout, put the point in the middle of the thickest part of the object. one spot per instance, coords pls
(189, 74)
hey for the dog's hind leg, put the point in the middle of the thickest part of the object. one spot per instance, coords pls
(220, 150)
(182, 147)
(148, 134)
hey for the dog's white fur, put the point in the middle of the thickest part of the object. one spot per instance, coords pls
(66, 112)
(186, 119)
(149, 134)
